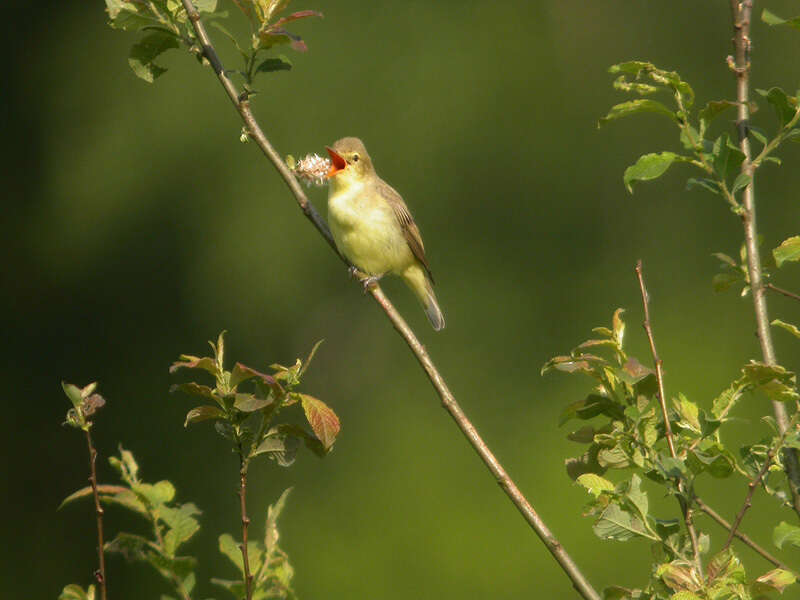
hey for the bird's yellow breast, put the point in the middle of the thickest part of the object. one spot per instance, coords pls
(366, 230)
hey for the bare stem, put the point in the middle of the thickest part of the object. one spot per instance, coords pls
(741, 13)
(786, 293)
(715, 516)
(248, 577)
(241, 104)
(686, 508)
(100, 574)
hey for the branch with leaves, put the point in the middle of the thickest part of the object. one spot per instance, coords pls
(85, 403)
(260, 12)
(247, 418)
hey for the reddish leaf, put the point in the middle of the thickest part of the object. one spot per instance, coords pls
(203, 413)
(193, 362)
(102, 489)
(322, 419)
(195, 389)
(242, 373)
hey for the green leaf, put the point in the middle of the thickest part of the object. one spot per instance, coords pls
(182, 525)
(156, 494)
(591, 406)
(313, 352)
(616, 524)
(232, 550)
(788, 251)
(785, 533)
(322, 419)
(106, 493)
(279, 63)
(723, 281)
(775, 580)
(741, 182)
(633, 107)
(203, 413)
(787, 326)
(613, 458)
(584, 435)
(146, 50)
(649, 166)
(73, 392)
(771, 18)
(594, 484)
(76, 592)
(785, 106)
(703, 183)
(713, 109)
(636, 496)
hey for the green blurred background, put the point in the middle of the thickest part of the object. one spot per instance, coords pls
(136, 227)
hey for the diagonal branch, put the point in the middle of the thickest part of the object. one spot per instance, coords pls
(740, 64)
(751, 487)
(686, 508)
(715, 516)
(242, 105)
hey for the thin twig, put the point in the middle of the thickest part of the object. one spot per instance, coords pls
(100, 574)
(686, 508)
(786, 293)
(248, 577)
(741, 13)
(751, 487)
(715, 516)
(241, 104)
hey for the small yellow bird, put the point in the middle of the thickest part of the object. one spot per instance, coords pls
(372, 226)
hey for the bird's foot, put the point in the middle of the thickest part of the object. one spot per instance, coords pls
(368, 282)
(353, 271)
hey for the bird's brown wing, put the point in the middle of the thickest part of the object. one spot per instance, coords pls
(409, 227)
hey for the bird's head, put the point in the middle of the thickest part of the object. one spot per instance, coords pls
(350, 162)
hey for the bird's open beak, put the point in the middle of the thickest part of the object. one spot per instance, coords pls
(337, 162)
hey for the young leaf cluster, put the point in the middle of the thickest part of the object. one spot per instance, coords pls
(85, 403)
(164, 24)
(171, 525)
(718, 158)
(625, 446)
(247, 418)
(272, 573)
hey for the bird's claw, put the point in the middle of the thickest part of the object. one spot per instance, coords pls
(368, 282)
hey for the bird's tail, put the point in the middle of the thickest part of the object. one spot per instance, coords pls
(416, 278)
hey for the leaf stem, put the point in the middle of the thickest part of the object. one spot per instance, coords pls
(100, 574)
(741, 13)
(561, 556)
(683, 499)
(715, 516)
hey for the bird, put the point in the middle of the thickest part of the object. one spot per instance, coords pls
(372, 226)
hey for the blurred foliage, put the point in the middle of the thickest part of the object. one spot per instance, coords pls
(136, 226)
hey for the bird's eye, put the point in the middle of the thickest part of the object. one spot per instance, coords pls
(355, 157)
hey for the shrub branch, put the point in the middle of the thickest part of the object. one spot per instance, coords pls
(683, 499)
(715, 516)
(100, 574)
(242, 105)
(740, 64)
